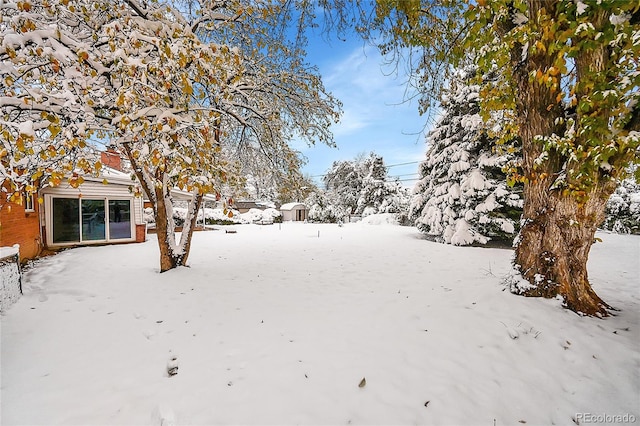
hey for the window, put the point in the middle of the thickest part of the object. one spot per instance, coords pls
(28, 202)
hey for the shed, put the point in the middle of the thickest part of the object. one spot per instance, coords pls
(296, 212)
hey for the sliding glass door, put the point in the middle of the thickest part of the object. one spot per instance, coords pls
(93, 228)
(119, 219)
(66, 220)
(90, 220)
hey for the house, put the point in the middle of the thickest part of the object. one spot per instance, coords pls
(245, 206)
(94, 213)
(296, 212)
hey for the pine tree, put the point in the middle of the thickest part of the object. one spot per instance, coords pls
(462, 197)
(623, 208)
(359, 187)
(378, 194)
(569, 88)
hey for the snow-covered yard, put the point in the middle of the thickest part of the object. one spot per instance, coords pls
(279, 325)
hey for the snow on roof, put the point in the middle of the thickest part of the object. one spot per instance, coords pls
(181, 195)
(109, 171)
(112, 176)
(291, 206)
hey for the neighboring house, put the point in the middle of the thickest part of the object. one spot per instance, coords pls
(245, 206)
(186, 196)
(296, 212)
(94, 213)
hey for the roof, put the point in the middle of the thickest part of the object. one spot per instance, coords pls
(110, 171)
(246, 205)
(181, 195)
(291, 206)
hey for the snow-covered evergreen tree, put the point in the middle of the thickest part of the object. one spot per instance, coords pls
(462, 197)
(360, 187)
(378, 194)
(325, 208)
(623, 208)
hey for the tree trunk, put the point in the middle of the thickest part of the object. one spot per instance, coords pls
(173, 254)
(558, 229)
(553, 249)
(165, 231)
(189, 227)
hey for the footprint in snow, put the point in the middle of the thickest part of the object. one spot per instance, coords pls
(163, 416)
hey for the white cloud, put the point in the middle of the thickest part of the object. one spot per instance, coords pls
(375, 117)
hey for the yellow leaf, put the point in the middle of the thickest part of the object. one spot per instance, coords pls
(54, 130)
(186, 86)
(82, 56)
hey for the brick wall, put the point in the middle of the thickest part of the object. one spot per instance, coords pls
(20, 227)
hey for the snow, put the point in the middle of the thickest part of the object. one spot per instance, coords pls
(619, 19)
(380, 219)
(581, 8)
(290, 206)
(218, 214)
(280, 324)
(9, 251)
(26, 128)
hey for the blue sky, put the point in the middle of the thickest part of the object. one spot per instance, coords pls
(374, 115)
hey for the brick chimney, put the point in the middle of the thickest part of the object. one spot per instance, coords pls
(111, 158)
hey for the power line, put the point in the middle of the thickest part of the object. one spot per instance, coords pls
(407, 174)
(402, 164)
(386, 167)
